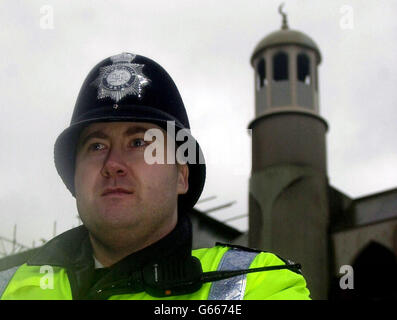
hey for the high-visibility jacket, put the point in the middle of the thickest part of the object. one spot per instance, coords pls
(52, 282)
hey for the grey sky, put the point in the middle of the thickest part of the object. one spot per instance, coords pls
(205, 46)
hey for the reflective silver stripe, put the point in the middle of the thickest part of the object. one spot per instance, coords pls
(232, 288)
(5, 277)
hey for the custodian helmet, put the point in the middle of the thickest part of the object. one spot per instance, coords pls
(128, 87)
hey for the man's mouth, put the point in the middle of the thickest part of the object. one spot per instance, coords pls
(116, 191)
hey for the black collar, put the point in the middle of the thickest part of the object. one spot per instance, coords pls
(66, 250)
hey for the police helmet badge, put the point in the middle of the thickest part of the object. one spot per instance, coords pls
(121, 78)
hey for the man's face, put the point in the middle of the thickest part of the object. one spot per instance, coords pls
(118, 194)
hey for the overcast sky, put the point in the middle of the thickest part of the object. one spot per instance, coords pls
(48, 48)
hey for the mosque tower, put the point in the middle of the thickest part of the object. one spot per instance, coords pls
(288, 202)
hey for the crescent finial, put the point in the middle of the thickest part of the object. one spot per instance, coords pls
(285, 24)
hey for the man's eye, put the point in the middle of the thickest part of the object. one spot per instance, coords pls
(138, 142)
(96, 147)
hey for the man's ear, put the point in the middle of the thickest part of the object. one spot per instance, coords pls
(183, 178)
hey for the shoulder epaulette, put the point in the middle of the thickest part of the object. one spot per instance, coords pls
(235, 246)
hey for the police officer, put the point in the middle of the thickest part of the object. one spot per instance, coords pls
(136, 237)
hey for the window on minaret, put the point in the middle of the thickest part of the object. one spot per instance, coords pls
(261, 73)
(303, 63)
(280, 66)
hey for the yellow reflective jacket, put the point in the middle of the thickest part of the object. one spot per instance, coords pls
(51, 282)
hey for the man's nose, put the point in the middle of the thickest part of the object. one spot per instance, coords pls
(114, 164)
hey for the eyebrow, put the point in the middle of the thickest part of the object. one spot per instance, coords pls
(101, 135)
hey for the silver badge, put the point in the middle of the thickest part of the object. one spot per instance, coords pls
(121, 79)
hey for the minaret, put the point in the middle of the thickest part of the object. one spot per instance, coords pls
(288, 203)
